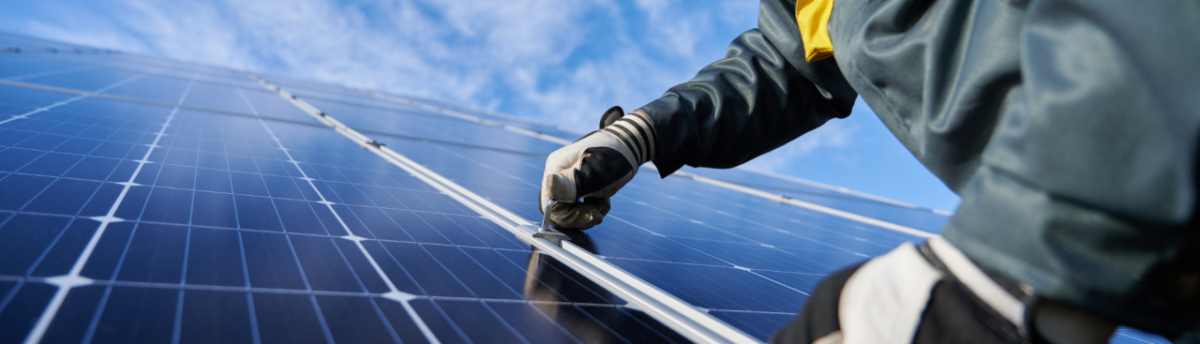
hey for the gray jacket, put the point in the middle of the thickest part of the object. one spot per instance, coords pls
(1069, 128)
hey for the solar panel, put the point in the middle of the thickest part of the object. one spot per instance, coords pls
(215, 208)
(152, 200)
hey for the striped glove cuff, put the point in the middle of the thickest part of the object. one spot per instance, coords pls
(636, 133)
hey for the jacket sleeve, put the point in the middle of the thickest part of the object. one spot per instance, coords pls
(762, 95)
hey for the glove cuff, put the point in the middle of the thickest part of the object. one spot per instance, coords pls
(637, 134)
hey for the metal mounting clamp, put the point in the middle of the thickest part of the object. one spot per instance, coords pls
(544, 232)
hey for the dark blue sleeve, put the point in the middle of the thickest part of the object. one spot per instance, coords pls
(762, 95)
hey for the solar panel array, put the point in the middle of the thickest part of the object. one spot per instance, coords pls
(149, 200)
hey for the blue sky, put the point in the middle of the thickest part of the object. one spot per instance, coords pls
(556, 61)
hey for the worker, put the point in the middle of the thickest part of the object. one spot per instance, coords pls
(1068, 127)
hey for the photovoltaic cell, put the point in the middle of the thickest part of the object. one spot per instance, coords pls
(208, 96)
(218, 212)
(187, 203)
(877, 208)
(315, 92)
(761, 325)
(405, 105)
(89, 79)
(22, 68)
(418, 123)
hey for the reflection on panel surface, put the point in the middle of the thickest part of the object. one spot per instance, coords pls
(189, 198)
(878, 208)
(268, 230)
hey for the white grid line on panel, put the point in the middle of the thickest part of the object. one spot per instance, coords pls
(688, 320)
(46, 73)
(810, 206)
(68, 101)
(393, 293)
(476, 119)
(73, 279)
(716, 182)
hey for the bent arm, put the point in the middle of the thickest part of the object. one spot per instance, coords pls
(762, 95)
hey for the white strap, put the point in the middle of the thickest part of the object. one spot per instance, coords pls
(883, 301)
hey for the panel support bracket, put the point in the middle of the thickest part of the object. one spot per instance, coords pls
(548, 234)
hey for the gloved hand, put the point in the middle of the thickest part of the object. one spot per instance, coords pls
(594, 168)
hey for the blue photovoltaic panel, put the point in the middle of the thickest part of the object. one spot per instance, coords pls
(250, 216)
(215, 96)
(310, 91)
(422, 124)
(918, 218)
(18, 101)
(20, 68)
(222, 228)
(386, 111)
(88, 79)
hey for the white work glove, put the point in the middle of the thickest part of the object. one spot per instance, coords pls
(594, 168)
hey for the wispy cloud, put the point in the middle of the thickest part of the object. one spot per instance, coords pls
(556, 61)
(834, 135)
(552, 60)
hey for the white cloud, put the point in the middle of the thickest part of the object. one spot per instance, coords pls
(835, 134)
(556, 61)
(674, 31)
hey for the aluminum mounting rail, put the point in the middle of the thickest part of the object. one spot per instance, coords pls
(688, 320)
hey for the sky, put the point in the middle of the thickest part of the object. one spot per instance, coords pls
(556, 61)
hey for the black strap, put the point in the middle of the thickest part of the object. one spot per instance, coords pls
(601, 167)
